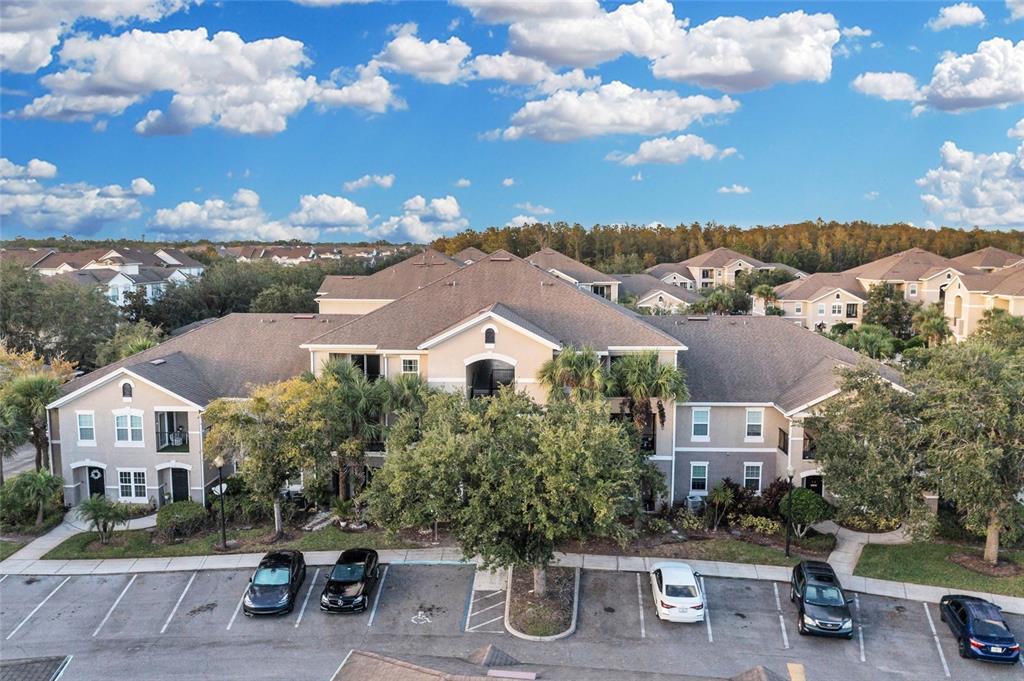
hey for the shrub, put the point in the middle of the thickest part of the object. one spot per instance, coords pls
(180, 519)
(103, 515)
(808, 508)
(758, 524)
(868, 522)
(720, 501)
(688, 521)
(30, 497)
(656, 525)
(768, 503)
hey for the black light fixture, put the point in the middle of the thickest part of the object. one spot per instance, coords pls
(221, 489)
(789, 513)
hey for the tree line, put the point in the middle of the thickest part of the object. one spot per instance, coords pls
(811, 246)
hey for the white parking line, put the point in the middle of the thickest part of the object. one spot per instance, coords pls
(707, 611)
(111, 611)
(180, 599)
(490, 595)
(935, 636)
(489, 607)
(782, 620)
(302, 610)
(376, 598)
(338, 670)
(640, 600)
(484, 624)
(2, 578)
(238, 607)
(36, 609)
(860, 627)
(63, 667)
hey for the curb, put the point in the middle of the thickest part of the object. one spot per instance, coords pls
(554, 637)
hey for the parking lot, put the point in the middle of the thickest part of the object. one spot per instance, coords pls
(164, 625)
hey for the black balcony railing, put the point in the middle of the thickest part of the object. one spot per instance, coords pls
(375, 446)
(171, 441)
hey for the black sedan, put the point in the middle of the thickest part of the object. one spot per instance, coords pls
(354, 576)
(979, 628)
(275, 584)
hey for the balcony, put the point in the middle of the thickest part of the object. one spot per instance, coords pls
(375, 446)
(172, 441)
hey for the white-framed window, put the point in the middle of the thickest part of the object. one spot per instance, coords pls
(798, 308)
(128, 428)
(837, 309)
(698, 477)
(821, 309)
(752, 476)
(754, 430)
(912, 288)
(410, 365)
(700, 428)
(86, 426)
(131, 484)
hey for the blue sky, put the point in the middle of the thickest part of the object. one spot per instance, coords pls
(742, 113)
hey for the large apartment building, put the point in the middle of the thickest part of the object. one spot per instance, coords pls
(965, 286)
(718, 267)
(134, 429)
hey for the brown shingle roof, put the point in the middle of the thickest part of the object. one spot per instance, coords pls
(227, 357)
(552, 304)
(662, 270)
(392, 282)
(549, 259)
(793, 365)
(908, 265)
(816, 285)
(26, 257)
(720, 257)
(75, 259)
(640, 285)
(470, 253)
(1005, 282)
(987, 257)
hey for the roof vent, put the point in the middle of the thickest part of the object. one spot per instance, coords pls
(451, 283)
(500, 258)
(158, 362)
(697, 319)
(304, 316)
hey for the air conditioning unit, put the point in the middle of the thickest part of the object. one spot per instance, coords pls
(695, 502)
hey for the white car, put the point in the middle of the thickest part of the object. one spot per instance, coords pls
(677, 594)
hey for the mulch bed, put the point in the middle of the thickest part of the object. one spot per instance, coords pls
(662, 545)
(547, 615)
(975, 563)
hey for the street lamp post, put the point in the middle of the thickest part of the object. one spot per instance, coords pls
(219, 463)
(789, 512)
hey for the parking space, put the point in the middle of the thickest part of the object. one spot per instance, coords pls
(20, 599)
(425, 600)
(610, 606)
(209, 602)
(486, 613)
(147, 606)
(744, 614)
(76, 609)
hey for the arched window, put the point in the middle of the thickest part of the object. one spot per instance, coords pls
(489, 336)
(126, 390)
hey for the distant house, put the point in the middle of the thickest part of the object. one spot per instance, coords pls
(655, 295)
(25, 257)
(582, 276)
(718, 267)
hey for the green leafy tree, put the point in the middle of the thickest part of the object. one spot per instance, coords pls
(808, 508)
(27, 397)
(721, 300)
(128, 340)
(886, 306)
(930, 323)
(873, 340)
(575, 374)
(284, 298)
(869, 445)
(749, 282)
(647, 385)
(973, 411)
(103, 515)
(999, 326)
(136, 306)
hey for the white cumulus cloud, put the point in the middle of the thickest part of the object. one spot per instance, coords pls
(522, 220)
(612, 109)
(462, 182)
(1017, 130)
(674, 150)
(384, 181)
(960, 14)
(325, 210)
(535, 209)
(971, 188)
(241, 217)
(34, 168)
(433, 61)
(508, 182)
(1016, 9)
(422, 221)
(891, 86)
(734, 189)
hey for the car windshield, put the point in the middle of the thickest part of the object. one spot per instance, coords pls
(823, 595)
(350, 572)
(680, 591)
(271, 576)
(987, 627)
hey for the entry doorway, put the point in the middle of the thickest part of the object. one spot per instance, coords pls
(179, 485)
(97, 481)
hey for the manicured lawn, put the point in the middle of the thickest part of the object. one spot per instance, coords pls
(8, 547)
(928, 564)
(140, 543)
(729, 550)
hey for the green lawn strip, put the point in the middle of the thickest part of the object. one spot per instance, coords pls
(140, 543)
(728, 550)
(929, 564)
(8, 548)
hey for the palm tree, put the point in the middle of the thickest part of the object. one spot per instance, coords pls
(930, 322)
(39, 490)
(407, 392)
(13, 432)
(765, 292)
(719, 301)
(103, 514)
(574, 374)
(28, 395)
(644, 381)
(875, 341)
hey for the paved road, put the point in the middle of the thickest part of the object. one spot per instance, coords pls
(187, 624)
(24, 459)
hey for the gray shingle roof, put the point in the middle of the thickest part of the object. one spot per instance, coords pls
(226, 357)
(640, 285)
(720, 257)
(662, 270)
(392, 282)
(759, 359)
(549, 259)
(548, 302)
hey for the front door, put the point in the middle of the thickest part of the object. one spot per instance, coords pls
(813, 483)
(96, 482)
(179, 484)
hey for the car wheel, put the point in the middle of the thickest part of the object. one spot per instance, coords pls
(849, 636)
(961, 648)
(800, 627)
(942, 615)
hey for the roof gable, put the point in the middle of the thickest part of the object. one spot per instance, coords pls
(391, 282)
(551, 260)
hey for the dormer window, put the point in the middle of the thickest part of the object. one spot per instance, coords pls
(126, 390)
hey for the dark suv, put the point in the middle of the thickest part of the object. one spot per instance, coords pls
(822, 607)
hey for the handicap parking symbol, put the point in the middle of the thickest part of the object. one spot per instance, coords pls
(420, 618)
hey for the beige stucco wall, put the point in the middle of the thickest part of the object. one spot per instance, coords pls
(349, 306)
(973, 306)
(103, 401)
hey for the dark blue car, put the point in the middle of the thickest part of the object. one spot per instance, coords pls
(979, 628)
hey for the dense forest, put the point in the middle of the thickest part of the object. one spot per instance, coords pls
(810, 246)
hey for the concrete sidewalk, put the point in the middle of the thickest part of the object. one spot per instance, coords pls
(72, 525)
(850, 544)
(450, 555)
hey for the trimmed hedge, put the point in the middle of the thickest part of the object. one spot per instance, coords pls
(180, 519)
